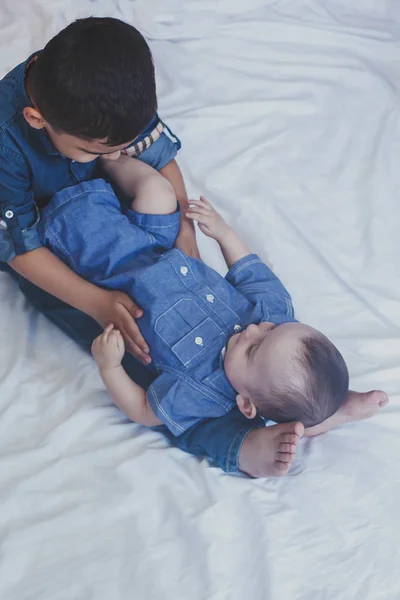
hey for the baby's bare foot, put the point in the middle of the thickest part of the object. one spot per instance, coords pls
(269, 451)
(356, 407)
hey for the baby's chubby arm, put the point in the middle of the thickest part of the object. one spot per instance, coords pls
(249, 274)
(214, 226)
(108, 350)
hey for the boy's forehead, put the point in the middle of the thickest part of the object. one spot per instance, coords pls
(94, 147)
(99, 145)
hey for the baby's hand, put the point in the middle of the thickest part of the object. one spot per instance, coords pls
(210, 222)
(108, 348)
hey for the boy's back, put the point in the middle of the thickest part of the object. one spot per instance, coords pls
(31, 168)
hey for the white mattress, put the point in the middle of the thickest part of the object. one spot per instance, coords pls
(289, 114)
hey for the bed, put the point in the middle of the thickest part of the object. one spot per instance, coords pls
(290, 121)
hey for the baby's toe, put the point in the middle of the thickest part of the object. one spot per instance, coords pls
(289, 438)
(281, 468)
(287, 448)
(285, 457)
(298, 429)
(383, 399)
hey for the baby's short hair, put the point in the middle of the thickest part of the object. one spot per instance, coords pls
(316, 389)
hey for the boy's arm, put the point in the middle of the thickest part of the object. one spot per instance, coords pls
(186, 240)
(45, 270)
(108, 350)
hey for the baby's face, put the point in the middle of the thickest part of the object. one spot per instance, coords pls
(262, 354)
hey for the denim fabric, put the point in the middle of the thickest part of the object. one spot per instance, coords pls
(32, 170)
(161, 152)
(190, 311)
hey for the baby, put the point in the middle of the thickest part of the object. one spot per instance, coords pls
(215, 342)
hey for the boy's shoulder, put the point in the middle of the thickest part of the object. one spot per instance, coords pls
(13, 100)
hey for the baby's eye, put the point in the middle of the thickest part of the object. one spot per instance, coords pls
(250, 348)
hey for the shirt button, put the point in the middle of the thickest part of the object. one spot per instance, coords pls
(210, 298)
(9, 214)
(198, 341)
(184, 271)
(237, 328)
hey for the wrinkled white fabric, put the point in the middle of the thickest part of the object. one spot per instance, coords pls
(289, 117)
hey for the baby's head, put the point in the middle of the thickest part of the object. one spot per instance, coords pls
(288, 372)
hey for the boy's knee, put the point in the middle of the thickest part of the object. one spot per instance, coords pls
(166, 190)
(156, 196)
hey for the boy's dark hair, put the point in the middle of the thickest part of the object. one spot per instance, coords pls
(324, 387)
(95, 80)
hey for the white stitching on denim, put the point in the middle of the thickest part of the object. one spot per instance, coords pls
(157, 226)
(289, 307)
(230, 451)
(201, 388)
(246, 264)
(61, 246)
(163, 315)
(236, 316)
(162, 411)
(52, 209)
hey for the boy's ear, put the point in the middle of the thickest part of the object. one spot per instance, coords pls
(33, 117)
(246, 406)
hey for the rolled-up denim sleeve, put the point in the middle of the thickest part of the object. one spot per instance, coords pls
(255, 280)
(18, 211)
(162, 151)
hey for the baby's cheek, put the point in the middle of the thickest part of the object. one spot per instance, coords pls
(234, 371)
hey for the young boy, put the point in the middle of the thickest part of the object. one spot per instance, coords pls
(89, 93)
(215, 342)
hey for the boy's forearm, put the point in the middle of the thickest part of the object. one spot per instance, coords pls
(130, 398)
(186, 240)
(232, 247)
(45, 270)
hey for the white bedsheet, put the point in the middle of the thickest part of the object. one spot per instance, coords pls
(289, 114)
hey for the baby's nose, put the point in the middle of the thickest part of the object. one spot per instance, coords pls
(251, 330)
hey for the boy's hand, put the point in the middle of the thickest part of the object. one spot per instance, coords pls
(118, 308)
(108, 348)
(186, 240)
(210, 222)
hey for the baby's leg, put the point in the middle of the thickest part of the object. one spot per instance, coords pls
(151, 192)
(269, 451)
(356, 407)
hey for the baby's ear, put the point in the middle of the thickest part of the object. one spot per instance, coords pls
(246, 406)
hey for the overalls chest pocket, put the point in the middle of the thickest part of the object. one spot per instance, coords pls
(187, 330)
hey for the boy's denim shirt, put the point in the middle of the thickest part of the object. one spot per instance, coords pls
(32, 170)
(190, 311)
